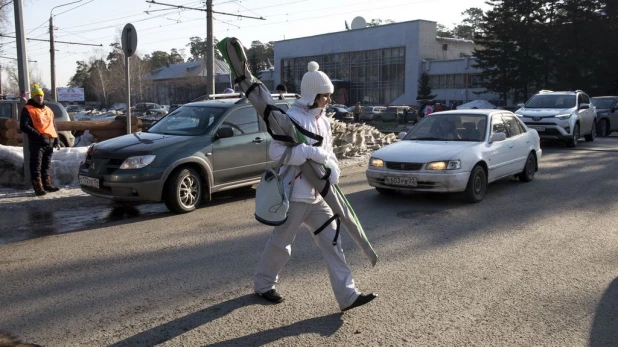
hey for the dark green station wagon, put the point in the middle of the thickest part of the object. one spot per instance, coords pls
(198, 149)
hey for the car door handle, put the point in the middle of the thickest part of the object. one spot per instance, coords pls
(258, 140)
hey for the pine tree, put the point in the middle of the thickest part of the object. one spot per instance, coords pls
(424, 89)
(508, 59)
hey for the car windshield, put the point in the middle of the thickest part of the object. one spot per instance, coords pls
(449, 127)
(603, 103)
(188, 120)
(551, 101)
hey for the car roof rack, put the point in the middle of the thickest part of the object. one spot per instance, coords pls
(225, 96)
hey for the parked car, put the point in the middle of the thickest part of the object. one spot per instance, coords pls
(561, 116)
(12, 109)
(482, 147)
(199, 149)
(73, 108)
(341, 114)
(388, 115)
(149, 108)
(607, 117)
(371, 113)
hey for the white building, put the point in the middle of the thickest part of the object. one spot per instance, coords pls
(381, 65)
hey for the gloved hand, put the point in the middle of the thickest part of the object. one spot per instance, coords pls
(334, 171)
(318, 154)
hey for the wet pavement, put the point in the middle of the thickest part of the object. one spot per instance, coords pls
(33, 222)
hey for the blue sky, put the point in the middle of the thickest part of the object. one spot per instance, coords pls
(163, 28)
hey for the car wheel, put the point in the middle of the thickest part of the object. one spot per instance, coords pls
(528, 174)
(62, 142)
(385, 191)
(593, 133)
(477, 185)
(183, 190)
(602, 127)
(572, 142)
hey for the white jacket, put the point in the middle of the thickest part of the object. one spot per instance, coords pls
(315, 121)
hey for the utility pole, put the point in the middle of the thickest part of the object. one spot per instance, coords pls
(52, 50)
(210, 41)
(210, 47)
(52, 58)
(22, 70)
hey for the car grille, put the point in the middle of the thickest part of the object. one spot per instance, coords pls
(102, 166)
(403, 166)
(540, 123)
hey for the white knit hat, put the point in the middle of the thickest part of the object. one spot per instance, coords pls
(314, 82)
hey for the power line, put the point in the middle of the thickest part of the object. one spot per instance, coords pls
(204, 10)
(70, 43)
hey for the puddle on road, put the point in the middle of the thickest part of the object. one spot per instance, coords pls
(32, 223)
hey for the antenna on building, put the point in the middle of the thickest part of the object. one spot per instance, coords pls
(347, 27)
(359, 23)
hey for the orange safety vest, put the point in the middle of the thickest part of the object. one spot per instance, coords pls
(43, 120)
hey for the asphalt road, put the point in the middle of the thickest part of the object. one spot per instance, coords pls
(533, 264)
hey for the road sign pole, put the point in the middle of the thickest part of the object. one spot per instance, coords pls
(128, 78)
(129, 44)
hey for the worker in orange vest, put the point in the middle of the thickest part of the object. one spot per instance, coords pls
(37, 121)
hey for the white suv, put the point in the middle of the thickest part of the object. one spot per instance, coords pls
(560, 116)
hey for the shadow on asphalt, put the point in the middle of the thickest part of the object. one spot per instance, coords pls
(325, 326)
(604, 332)
(25, 221)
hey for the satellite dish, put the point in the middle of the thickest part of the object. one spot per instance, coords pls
(359, 23)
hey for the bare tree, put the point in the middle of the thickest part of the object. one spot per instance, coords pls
(10, 83)
(101, 80)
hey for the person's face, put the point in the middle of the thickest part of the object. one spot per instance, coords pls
(38, 99)
(321, 100)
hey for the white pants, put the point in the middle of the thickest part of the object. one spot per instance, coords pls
(279, 248)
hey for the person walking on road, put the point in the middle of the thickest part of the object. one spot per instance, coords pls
(306, 205)
(37, 121)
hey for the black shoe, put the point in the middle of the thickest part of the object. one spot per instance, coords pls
(271, 296)
(361, 300)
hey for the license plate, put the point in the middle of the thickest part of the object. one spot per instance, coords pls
(89, 181)
(536, 127)
(401, 181)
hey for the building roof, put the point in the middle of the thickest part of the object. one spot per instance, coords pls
(188, 69)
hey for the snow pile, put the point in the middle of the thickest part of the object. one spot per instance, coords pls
(64, 166)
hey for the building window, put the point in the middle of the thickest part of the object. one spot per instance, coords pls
(373, 77)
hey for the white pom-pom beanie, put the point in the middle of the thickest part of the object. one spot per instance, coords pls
(314, 82)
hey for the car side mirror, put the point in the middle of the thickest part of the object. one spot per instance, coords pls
(401, 135)
(224, 132)
(497, 137)
(584, 106)
(520, 105)
(614, 109)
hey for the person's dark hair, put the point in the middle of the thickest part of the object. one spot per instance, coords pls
(282, 87)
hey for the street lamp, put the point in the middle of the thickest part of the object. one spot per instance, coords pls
(52, 49)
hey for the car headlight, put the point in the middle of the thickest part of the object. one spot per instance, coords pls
(444, 165)
(137, 162)
(564, 116)
(375, 162)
